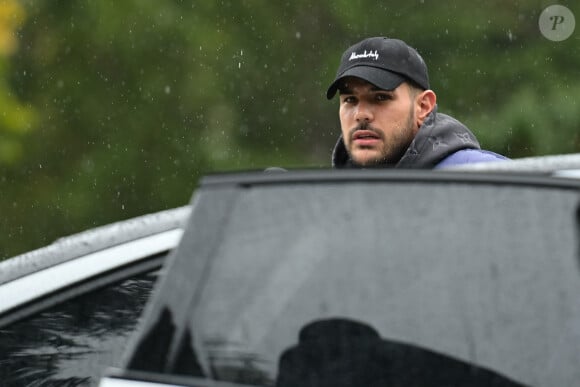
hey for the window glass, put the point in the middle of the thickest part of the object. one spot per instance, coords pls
(71, 343)
(404, 272)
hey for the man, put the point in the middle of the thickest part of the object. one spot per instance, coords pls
(388, 114)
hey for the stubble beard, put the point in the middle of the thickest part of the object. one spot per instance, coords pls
(391, 150)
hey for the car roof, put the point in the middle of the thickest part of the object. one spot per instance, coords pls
(86, 242)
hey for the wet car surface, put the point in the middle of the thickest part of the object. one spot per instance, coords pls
(370, 278)
(68, 309)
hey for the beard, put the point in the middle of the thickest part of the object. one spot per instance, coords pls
(391, 150)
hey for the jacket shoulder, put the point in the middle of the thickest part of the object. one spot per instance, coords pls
(469, 156)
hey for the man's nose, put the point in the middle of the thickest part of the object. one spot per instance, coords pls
(363, 112)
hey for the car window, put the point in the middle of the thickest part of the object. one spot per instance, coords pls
(460, 281)
(70, 344)
(332, 284)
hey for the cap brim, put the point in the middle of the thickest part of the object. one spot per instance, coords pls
(381, 78)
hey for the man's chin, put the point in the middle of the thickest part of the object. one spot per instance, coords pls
(369, 162)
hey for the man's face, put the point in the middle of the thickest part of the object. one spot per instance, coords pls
(377, 125)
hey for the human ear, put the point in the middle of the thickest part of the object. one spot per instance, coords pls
(424, 104)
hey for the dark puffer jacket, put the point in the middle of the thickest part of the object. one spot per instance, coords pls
(442, 141)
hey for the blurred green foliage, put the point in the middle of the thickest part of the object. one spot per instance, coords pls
(112, 109)
(16, 119)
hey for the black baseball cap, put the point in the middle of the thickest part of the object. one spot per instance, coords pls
(384, 62)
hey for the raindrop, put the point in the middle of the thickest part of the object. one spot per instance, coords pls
(510, 35)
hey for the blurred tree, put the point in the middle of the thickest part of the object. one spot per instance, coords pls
(129, 102)
(16, 119)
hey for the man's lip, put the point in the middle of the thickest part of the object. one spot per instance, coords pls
(365, 135)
